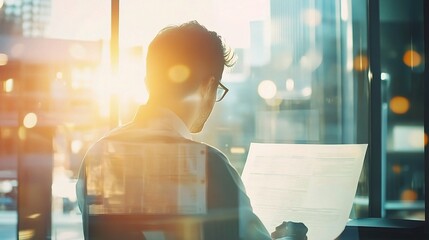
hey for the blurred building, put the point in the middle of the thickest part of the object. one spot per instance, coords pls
(24, 17)
(46, 96)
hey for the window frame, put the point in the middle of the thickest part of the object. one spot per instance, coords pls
(376, 226)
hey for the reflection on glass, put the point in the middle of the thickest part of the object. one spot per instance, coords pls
(403, 95)
(301, 69)
(301, 77)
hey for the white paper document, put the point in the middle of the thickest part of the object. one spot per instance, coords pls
(308, 183)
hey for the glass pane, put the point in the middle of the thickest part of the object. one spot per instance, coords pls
(301, 74)
(404, 139)
(51, 64)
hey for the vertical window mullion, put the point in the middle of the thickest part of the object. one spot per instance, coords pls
(426, 113)
(375, 114)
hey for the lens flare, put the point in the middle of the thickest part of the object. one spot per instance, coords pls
(179, 73)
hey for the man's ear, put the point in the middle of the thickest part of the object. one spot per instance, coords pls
(209, 87)
(212, 83)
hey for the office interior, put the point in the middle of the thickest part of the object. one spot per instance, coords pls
(307, 72)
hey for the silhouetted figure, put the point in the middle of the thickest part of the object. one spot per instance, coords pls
(125, 180)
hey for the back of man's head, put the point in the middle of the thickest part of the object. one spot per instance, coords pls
(180, 57)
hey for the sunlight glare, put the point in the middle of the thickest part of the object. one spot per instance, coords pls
(77, 51)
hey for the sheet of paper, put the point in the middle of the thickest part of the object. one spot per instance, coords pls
(308, 183)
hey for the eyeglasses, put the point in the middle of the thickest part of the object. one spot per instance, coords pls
(221, 92)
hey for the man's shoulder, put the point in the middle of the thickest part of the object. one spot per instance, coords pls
(126, 137)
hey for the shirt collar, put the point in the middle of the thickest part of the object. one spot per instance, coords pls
(161, 119)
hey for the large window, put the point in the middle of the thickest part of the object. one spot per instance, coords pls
(305, 73)
(403, 138)
(301, 75)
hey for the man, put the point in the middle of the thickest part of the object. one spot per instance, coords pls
(184, 69)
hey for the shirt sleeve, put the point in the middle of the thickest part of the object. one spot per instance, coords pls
(226, 188)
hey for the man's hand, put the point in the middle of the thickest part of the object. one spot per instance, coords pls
(290, 231)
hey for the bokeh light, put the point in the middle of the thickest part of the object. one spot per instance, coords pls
(30, 120)
(399, 104)
(360, 62)
(396, 169)
(290, 84)
(385, 76)
(267, 89)
(306, 92)
(311, 60)
(8, 85)
(5, 186)
(76, 146)
(22, 133)
(59, 75)
(409, 195)
(412, 58)
(416, 139)
(179, 73)
(3, 59)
